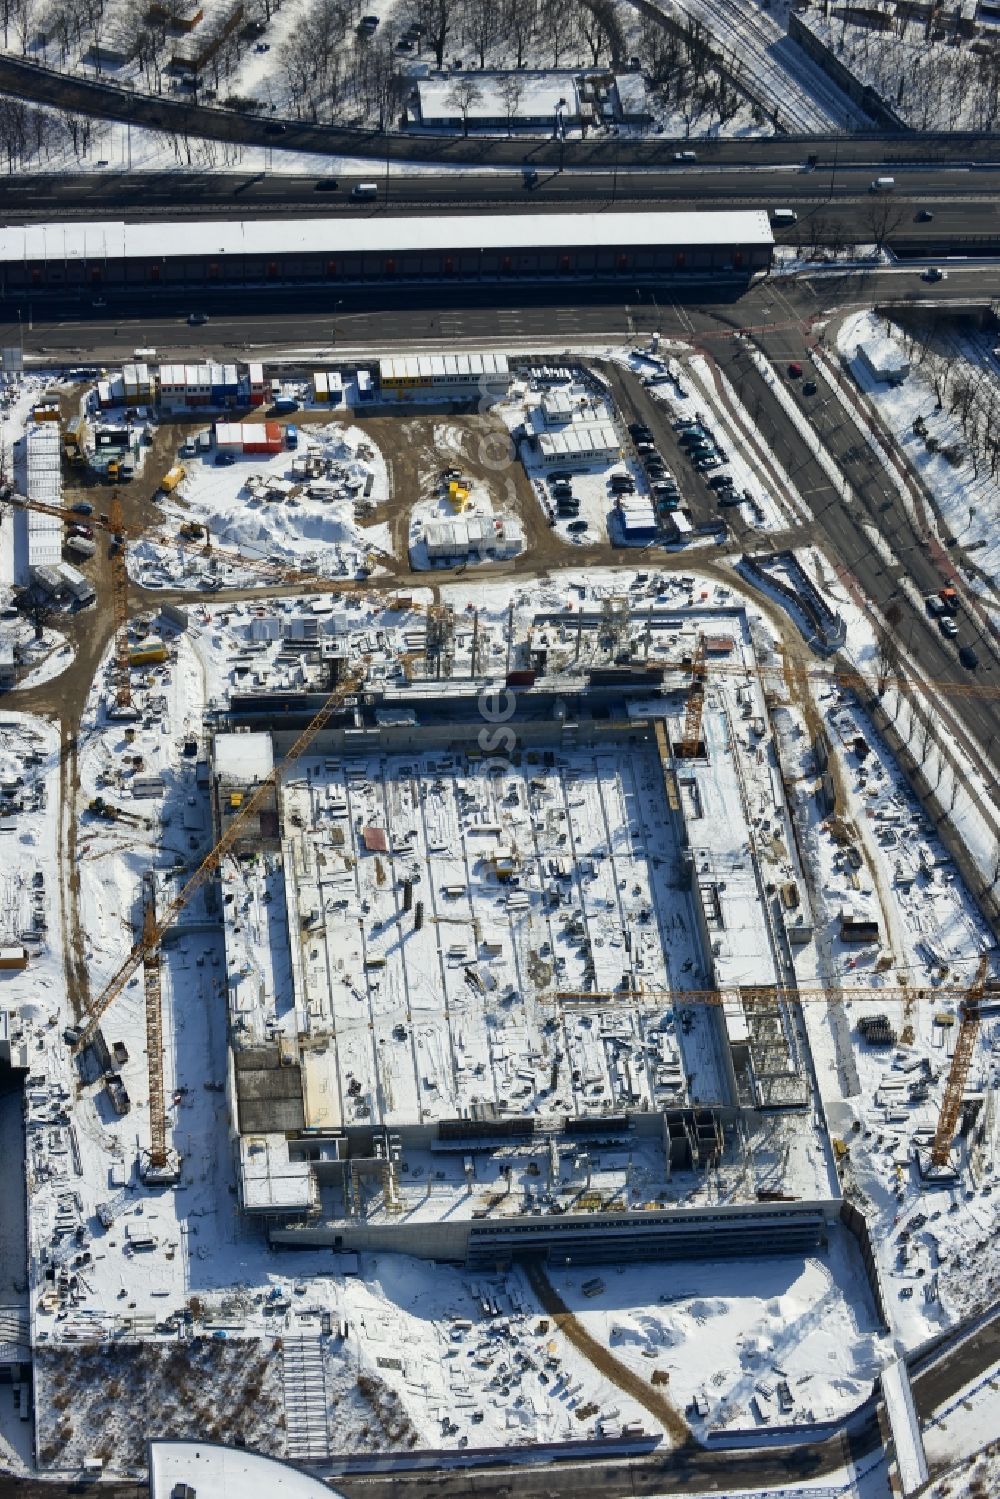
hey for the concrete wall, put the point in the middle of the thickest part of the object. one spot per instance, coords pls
(869, 100)
(677, 1233)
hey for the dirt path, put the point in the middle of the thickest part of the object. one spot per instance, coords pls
(659, 1407)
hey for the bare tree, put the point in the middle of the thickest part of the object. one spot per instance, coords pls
(435, 16)
(481, 25)
(559, 28)
(520, 20)
(883, 218)
(511, 92)
(463, 94)
(886, 660)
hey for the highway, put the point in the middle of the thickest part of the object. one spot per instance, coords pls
(832, 204)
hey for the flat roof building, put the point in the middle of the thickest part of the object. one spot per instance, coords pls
(460, 247)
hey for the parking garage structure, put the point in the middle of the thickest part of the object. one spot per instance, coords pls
(372, 249)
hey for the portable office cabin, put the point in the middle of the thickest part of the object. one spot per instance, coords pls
(262, 437)
(259, 387)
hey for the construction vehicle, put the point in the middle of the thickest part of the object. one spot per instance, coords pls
(98, 807)
(825, 994)
(74, 441)
(154, 930)
(691, 742)
(958, 1073)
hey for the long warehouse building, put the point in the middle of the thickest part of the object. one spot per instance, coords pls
(372, 249)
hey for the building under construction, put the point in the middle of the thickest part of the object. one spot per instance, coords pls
(492, 992)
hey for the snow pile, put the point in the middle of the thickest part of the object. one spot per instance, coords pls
(303, 507)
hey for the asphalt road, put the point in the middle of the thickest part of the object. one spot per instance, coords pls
(366, 320)
(178, 113)
(833, 204)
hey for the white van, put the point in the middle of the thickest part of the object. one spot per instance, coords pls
(365, 190)
(784, 216)
(883, 185)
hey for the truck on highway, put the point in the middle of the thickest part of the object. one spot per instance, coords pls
(883, 185)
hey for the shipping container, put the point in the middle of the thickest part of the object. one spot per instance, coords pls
(80, 587)
(147, 655)
(80, 546)
(172, 478)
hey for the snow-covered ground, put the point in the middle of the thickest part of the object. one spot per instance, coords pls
(756, 45)
(472, 500)
(932, 83)
(797, 1341)
(30, 903)
(968, 501)
(301, 506)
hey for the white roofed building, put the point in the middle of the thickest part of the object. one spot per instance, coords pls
(580, 443)
(45, 532)
(463, 374)
(455, 247)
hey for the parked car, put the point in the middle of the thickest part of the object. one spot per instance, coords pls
(694, 433)
(948, 626)
(794, 371)
(686, 424)
(730, 497)
(82, 508)
(86, 532)
(224, 460)
(720, 481)
(935, 606)
(560, 476)
(576, 526)
(704, 464)
(968, 657)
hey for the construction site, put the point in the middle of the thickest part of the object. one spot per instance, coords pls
(418, 948)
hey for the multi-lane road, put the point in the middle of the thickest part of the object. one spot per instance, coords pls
(833, 203)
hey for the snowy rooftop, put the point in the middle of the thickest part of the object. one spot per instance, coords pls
(716, 820)
(114, 239)
(244, 757)
(541, 94)
(213, 1472)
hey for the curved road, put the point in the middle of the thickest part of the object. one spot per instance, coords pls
(178, 114)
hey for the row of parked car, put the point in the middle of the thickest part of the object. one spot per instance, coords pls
(566, 502)
(705, 455)
(662, 484)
